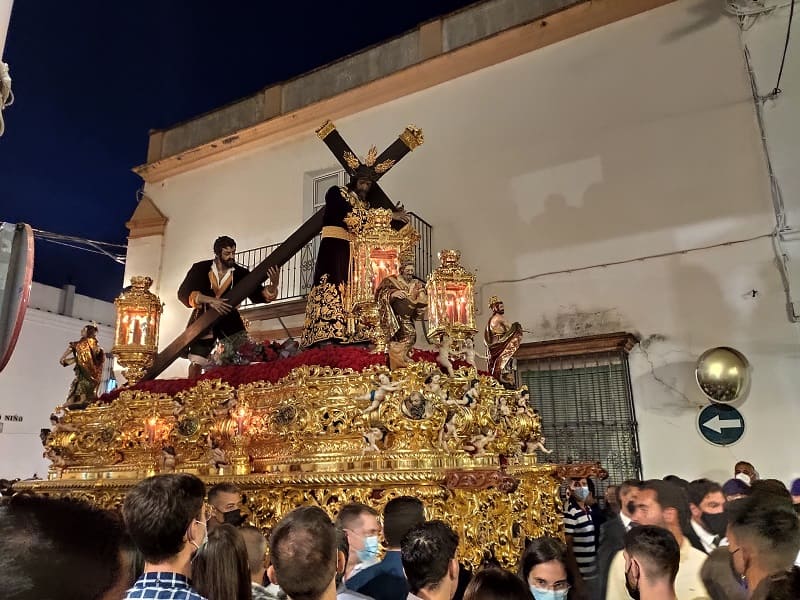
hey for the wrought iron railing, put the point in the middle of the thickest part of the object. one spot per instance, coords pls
(297, 275)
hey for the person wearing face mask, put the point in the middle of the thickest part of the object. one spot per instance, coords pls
(612, 533)
(545, 568)
(581, 528)
(360, 524)
(763, 539)
(225, 500)
(746, 472)
(428, 554)
(342, 592)
(166, 519)
(709, 521)
(494, 583)
(664, 505)
(652, 557)
(385, 580)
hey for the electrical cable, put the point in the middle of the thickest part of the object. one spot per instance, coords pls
(777, 89)
(87, 245)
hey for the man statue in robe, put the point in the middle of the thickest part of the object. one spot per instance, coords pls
(402, 300)
(203, 289)
(88, 358)
(502, 340)
(325, 321)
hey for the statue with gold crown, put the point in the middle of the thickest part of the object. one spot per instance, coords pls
(329, 310)
(502, 341)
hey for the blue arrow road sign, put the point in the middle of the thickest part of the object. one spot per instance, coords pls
(720, 424)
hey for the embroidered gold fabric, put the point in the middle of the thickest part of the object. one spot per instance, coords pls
(325, 318)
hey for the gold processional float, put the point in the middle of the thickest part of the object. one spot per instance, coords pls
(410, 422)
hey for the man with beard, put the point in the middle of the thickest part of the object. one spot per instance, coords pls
(664, 505)
(708, 523)
(401, 301)
(612, 533)
(502, 340)
(203, 288)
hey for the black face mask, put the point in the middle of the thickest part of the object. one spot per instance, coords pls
(715, 523)
(630, 507)
(632, 591)
(233, 517)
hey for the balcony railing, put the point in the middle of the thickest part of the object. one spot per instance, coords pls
(297, 275)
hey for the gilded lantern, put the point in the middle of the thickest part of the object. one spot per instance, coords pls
(451, 308)
(375, 253)
(136, 334)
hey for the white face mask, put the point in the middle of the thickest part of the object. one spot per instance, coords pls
(543, 594)
(205, 536)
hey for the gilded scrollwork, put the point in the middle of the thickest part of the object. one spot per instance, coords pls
(309, 439)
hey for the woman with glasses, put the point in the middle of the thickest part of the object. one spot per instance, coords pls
(545, 568)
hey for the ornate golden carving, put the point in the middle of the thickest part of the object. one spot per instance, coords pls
(412, 137)
(325, 129)
(351, 160)
(302, 440)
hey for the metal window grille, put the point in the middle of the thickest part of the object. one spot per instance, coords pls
(586, 407)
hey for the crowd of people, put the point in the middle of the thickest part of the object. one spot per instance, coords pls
(173, 539)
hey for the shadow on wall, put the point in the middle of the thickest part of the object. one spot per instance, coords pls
(706, 14)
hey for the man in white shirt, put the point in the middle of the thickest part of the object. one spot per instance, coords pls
(709, 521)
(663, 504)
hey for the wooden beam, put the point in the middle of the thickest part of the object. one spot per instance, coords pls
(580, 346)
(237, 294)
(503, 46)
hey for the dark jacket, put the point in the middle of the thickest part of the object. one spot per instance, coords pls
(197, 280)
(382, 581)
(612, 540)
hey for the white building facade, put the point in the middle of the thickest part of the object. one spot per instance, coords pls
(612, 181)
(33, 382)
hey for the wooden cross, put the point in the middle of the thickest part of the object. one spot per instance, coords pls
(377, 164)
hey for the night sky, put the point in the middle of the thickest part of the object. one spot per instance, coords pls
(91, 77)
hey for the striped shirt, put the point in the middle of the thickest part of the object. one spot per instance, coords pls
(578, 524)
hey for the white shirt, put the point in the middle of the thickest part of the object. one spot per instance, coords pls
(688, 585)
(626, 520)
(706, 538)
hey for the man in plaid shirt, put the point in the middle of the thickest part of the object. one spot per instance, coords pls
(166, 518)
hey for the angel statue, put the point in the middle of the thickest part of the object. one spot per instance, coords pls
(87, 357)
(378, 394)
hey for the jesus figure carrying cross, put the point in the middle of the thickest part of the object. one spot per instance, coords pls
(325, 320)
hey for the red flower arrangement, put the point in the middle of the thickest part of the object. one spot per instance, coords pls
(335, 356)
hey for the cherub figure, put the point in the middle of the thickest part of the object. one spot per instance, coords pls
(530, 446)
(217, 456)
(57, 422)
(168, 458)
(523, 403)
(501, 409)
(373, 437)
(472, 394)
(476, 446)
(177, 407)
(443, 358)
(433, 385)
(448, 430)
(378, 395)
(469, 353)
(58, 462)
